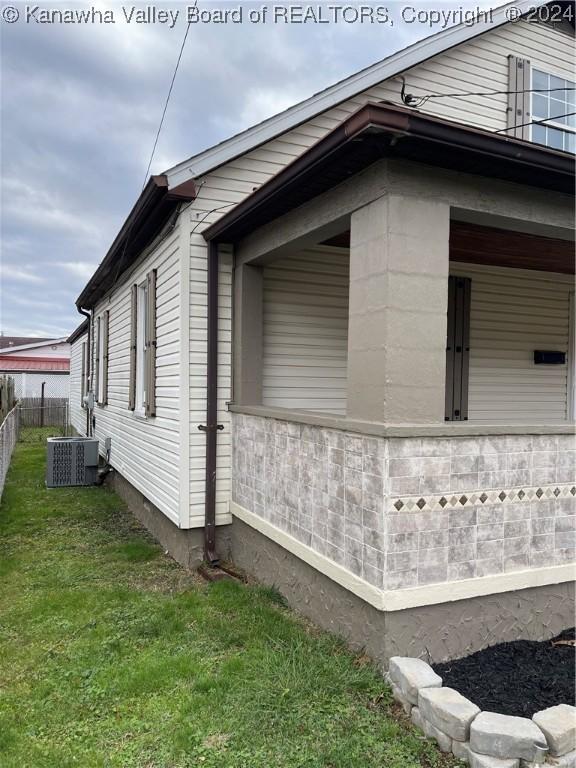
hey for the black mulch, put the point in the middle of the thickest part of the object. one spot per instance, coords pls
(517, 678)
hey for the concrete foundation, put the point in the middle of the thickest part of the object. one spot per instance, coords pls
(435, 633)
(185, 546)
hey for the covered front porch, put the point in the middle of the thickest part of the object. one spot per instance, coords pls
(402, 415)
(508, 297)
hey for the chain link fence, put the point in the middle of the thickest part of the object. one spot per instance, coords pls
(8, 438)
(41, 418)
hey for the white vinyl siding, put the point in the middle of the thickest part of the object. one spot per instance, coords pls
(306, 330)
(514, 312)
(146, 450)
(198, 367)
(479, 64)
(77, 415)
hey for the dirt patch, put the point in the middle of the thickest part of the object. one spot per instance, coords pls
(517, 678)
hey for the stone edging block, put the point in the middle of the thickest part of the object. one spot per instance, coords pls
(448, 710)
(410, 675)
(481, 739)
(558, 724)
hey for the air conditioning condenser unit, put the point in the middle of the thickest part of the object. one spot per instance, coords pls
(71, 461)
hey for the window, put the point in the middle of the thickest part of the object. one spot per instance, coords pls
(458, 348)
(83, 370)
(555, 107)
(141, 347)
(101, 378)
(142, 383)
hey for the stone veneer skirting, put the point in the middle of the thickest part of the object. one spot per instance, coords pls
(404, 512)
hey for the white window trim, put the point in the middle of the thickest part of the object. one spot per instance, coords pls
(141, 309)
(549, 123)
(100, 372)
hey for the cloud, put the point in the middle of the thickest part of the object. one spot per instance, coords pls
(18, 274)
(83, 269)
(80, 108)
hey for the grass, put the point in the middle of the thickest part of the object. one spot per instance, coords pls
(113, 655)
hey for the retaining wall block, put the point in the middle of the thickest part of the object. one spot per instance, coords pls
(505, 736)
(564, 761)
(442, 739)
(400, 698)
(416, 718)
(448, 710)
(461, 750)
(487, 761)
(410, 675)
(558, 724)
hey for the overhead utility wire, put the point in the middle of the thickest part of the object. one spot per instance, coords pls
(129, 232)
(538, 122)
(410, 100)
(168, 99)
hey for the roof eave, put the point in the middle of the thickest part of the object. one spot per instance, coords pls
(151, 209)
(396, 121)
(392, 66)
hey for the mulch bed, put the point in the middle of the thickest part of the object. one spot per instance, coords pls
(517, 678)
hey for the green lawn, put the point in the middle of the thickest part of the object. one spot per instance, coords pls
(112, 655)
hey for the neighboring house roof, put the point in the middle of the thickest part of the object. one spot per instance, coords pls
(78, 332)
(32, 344)
(394, 65)
(380, 130)
(34, 364)
(18, 341)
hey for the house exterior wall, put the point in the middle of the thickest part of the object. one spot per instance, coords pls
(305, 322)
(409, 512)
(77, 414)
(481, 62)
(514, 312)
(146, 451)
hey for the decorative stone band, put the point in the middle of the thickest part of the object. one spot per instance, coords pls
(412, 597)
(440, 501)
(481, 739)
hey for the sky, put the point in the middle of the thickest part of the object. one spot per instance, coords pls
(81, 104)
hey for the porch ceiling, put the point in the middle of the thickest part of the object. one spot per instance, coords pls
(494, 247)
(476, 244)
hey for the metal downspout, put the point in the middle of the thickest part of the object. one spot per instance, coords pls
(211, 427)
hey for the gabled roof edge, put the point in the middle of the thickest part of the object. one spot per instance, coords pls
(393, 65)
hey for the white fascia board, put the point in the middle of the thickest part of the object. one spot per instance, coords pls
(24, 347)
(409, 57)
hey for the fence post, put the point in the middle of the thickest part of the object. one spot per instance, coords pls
(42, 404)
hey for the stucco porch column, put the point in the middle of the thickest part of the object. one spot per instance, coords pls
(398, 301)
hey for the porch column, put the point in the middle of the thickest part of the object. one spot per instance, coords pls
(398, 302)
(248, 336)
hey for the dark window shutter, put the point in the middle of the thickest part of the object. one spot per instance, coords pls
(458, 348)
(83, 374)
(133, 342)
(105, 335)
(151, 344)
(97, 382)
(518, 111)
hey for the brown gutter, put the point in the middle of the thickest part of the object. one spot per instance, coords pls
(152, 209)
(397, 122)
(211, 427)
